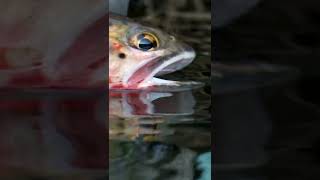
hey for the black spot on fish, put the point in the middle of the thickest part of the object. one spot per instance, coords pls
(122, 55)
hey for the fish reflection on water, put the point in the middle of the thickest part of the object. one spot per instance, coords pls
(153, 135)
(52, 135)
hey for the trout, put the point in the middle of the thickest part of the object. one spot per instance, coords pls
(138, 54)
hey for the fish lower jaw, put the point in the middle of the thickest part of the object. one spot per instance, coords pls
(145, 84)
(157, 82)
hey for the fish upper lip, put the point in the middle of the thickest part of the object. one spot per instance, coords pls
(159, 66)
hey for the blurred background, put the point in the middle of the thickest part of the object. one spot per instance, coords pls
(285, 32)
(270, 130)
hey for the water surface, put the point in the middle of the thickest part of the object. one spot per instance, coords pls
(49, 134)
(157, 135)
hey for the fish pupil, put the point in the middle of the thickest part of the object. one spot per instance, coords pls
(146, 44)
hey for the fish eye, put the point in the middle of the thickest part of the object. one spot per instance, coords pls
(145, 41)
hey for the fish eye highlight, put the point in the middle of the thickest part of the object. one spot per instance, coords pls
(145, 41)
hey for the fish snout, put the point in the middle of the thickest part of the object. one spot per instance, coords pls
(184, 56)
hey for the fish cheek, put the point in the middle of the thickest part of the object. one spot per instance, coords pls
(117, 49)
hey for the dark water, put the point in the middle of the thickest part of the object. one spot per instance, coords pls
(53, 135)
(266, 130)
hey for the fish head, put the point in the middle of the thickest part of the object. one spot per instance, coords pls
(138, 53)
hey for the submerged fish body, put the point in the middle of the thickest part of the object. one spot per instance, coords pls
(138, 53)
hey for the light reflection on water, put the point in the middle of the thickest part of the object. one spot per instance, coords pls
(155, 135)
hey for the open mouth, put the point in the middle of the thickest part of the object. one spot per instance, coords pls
(146, 74)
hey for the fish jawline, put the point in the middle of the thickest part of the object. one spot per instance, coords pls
(150, 78)
(158, 82)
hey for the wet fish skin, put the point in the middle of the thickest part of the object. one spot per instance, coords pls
(52, 43)
(130, 66)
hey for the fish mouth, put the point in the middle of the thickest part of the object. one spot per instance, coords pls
(146, 72)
